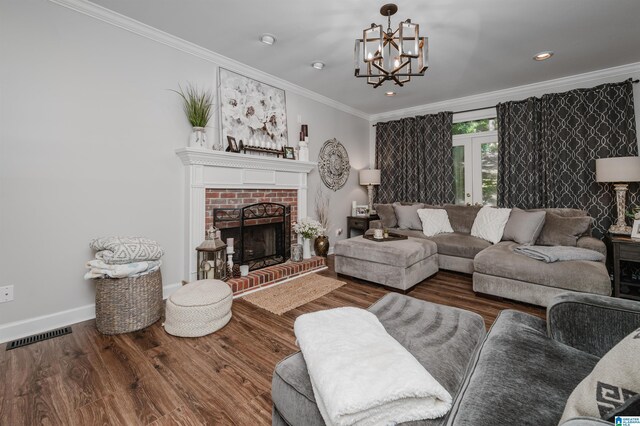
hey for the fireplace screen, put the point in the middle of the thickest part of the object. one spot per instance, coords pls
(261, 233)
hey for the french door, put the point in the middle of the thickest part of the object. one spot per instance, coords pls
(475, 166)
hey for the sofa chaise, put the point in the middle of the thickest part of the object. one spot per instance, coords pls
(497, 270)
(521, 372)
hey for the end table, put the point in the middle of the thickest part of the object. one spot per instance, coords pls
(360, 223)
(624, 249)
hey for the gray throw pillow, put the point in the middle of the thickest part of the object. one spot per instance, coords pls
(387, 215)
(523, 227)
(613, 381)
(563, 231)
(462, 217)
(407, 216)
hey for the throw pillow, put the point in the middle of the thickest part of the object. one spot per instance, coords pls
(461, 217)
(524, 227)
(408, 216)
(387, 215)
(434, 221)
(614, 380)
(562, 231)
(489, 223)
(631, 407)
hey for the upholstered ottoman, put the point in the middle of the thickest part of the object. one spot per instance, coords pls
(443, 339)
(198, 308)
(399, 264)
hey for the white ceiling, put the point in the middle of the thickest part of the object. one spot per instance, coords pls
(475, 46)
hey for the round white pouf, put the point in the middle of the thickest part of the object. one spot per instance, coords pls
(198, 308)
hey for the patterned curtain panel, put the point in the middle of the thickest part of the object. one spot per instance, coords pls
(415, 159)
(548, 147)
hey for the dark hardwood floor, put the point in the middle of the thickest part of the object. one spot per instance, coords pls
(149, 377)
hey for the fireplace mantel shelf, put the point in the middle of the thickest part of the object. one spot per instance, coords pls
(208, 157)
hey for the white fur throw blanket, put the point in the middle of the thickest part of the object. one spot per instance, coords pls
(363, 376)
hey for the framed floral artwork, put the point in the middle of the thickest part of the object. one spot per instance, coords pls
(252, 112)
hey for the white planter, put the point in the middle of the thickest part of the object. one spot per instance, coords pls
(198, 138)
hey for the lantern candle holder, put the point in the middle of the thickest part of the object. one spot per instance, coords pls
(212, 252)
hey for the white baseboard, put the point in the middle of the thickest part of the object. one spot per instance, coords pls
(18, 329)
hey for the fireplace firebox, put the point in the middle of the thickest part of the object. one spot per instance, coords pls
(261, 233)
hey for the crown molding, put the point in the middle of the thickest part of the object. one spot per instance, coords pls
(136, 27)
(514, 93)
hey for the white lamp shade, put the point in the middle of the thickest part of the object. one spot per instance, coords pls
(617, 169)
(370, 177)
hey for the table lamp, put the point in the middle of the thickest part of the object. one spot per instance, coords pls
(370, 177)
(620, 171)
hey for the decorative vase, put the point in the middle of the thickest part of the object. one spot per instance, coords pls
(306, 248)
(321, 245)
(198, 138)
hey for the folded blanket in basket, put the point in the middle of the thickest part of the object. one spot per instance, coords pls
(549, 254)
(361, 375)
(99, 269)
(121, 250)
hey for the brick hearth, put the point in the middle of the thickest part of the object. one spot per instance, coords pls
(274, 274)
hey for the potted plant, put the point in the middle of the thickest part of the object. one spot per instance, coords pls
(308, 229)
(321, 244)
(198, 106)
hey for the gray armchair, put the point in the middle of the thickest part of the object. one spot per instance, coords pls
(591, 323)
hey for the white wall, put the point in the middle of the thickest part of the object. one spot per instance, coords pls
(87, 137)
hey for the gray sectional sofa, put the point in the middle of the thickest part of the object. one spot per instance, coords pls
(521, 372)
(497, 270)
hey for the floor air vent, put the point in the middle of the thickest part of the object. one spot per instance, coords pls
(38, 338)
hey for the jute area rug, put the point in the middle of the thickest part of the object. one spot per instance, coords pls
(282, 298)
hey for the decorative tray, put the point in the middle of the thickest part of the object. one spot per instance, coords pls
(391, 237)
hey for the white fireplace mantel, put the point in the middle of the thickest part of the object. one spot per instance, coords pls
(223, 170)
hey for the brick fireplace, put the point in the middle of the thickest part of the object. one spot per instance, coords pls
(259, 221)
(216, 178)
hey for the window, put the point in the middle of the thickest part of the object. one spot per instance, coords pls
(475, 162)
(476, 126)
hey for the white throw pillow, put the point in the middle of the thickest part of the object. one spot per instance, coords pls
(434, 221)
(489, 224)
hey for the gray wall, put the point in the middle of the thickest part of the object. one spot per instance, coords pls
(88, 131)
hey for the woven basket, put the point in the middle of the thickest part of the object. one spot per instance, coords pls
(128, 304)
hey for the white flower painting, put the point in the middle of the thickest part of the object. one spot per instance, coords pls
(252, 112)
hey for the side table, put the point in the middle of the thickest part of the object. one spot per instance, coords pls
(360, 223)
(624, 249)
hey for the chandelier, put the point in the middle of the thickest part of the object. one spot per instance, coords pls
(392, 55)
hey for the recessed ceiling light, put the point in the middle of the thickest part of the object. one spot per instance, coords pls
(543, 56)
(317, 65)
(268, 38)
(390, 93)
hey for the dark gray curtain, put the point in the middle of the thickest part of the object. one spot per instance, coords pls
(415, 159)
(548, 147)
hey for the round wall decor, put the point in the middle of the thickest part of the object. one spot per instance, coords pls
(333, 164)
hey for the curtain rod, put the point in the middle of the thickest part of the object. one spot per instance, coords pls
(493, 106)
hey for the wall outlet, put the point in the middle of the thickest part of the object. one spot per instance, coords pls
(338, 231)
(6, 294)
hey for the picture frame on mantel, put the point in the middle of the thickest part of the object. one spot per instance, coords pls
(252, 111)
(289, 153)
(232, 145)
